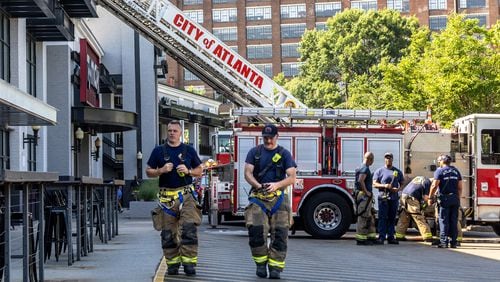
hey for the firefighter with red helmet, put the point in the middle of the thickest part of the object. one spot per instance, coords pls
(269, 169)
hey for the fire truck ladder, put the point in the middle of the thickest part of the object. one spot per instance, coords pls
(329, 114)
(200, 52)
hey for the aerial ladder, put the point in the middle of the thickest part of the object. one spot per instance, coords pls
(201, 52)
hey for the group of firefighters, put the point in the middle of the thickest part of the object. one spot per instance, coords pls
(270, 169)
(437, 197)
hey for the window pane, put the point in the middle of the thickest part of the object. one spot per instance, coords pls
(472, 4)
(293, 11)
(399, 5)
(364, 5)
(4, 47)
(437, 4)
(437, 23)
(195, 15)
(328, 9)
(267, 69)
(224, 15)
(226, 33)
(259, 51)
(258, 13)
(292, 30)
(290, 50)
(481, 18)
(290, 69)
(259, 32)
(193, 2)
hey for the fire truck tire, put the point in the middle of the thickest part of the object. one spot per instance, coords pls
(327, 215)
(496, 228)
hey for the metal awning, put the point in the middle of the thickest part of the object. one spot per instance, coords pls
(29, 8)
(103, 120)
(80, 8)
(58, 28)
(18, 108)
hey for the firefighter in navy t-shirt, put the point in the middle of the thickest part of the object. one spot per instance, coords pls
(269, 169)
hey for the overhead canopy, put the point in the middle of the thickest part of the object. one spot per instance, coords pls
(103, 120)
(19, 108)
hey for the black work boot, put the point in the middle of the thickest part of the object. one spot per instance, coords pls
(189, 269)
(274, 273)
(261, 270)
(173, 269)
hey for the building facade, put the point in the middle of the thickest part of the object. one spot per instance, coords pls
(83, 94)
(267, 33)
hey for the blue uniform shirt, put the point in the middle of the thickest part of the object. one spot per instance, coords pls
(448, 177)
(266, 157)
(385, 175)
(418, 187)
(368, 179)
(173, 179)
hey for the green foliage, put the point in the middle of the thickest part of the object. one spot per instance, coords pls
(148, 190)
(347, 54)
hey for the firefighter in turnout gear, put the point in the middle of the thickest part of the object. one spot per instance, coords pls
(365, 226)
(413, 200)
(178, 214)
(269, 169)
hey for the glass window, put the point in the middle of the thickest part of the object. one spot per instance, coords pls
(258, 13)
(4, 150)
(234, 48)
(259, 32)
(437, 4)
(189, 75)
(328, 9)
(292, 30)
(223, 1)
(31, 65)
(481, 18)
(321, 26)
(472, 4)
(293, 11)
(259, 51)
(437, 23)
(399, 5)
(4, 47)
(267, 69)
(224, 15)
(226, 33)
(193, 2)
(195, 15)
(490, 146)
(290, 50)
(290, 69)
(364, 5)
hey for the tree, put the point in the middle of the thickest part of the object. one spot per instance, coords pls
(347, 53)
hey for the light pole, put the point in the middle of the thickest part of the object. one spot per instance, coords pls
(76, 148)
(139, 164)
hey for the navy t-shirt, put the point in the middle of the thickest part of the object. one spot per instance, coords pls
(368, 179)
(266, 157)
(386, 175)
(173, 154)
(448, 177)
(418, 187)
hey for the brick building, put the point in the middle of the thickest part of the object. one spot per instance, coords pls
(267, 32)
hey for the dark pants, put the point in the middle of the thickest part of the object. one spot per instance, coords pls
(448, 219)
(387, 210)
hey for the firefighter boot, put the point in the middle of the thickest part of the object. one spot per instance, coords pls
(261, 270)
(274, 273)
(173, 269)
(189, 269)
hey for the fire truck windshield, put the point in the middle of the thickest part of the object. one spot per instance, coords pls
(490, 146)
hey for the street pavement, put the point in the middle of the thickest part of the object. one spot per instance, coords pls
(224, 255)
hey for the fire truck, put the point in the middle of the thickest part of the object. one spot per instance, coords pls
(328, 146)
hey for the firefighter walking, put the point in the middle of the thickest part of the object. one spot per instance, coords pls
(413, 197)
(269, 169)
(365, 226)
(178, 214)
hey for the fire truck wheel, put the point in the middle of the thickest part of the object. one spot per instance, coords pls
(327, 215)
(496, 228)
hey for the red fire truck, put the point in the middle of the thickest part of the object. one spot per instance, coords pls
(328, 145)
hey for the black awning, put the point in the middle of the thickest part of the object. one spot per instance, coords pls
(103, 120)
(29, 8)
(80, 8)
(174, 111)
(107, 83)
(58, 28)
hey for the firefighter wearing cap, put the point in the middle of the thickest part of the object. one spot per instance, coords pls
(388, 180)
(413, 196)
(447, 184)
(269, 169)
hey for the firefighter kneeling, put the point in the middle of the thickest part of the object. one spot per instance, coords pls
(269, 169)
(412, 201)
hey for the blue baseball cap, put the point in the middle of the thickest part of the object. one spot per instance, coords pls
(270, 130)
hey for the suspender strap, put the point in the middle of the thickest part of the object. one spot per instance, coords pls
(273, 210)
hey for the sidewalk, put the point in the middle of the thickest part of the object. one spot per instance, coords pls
(133, 255)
